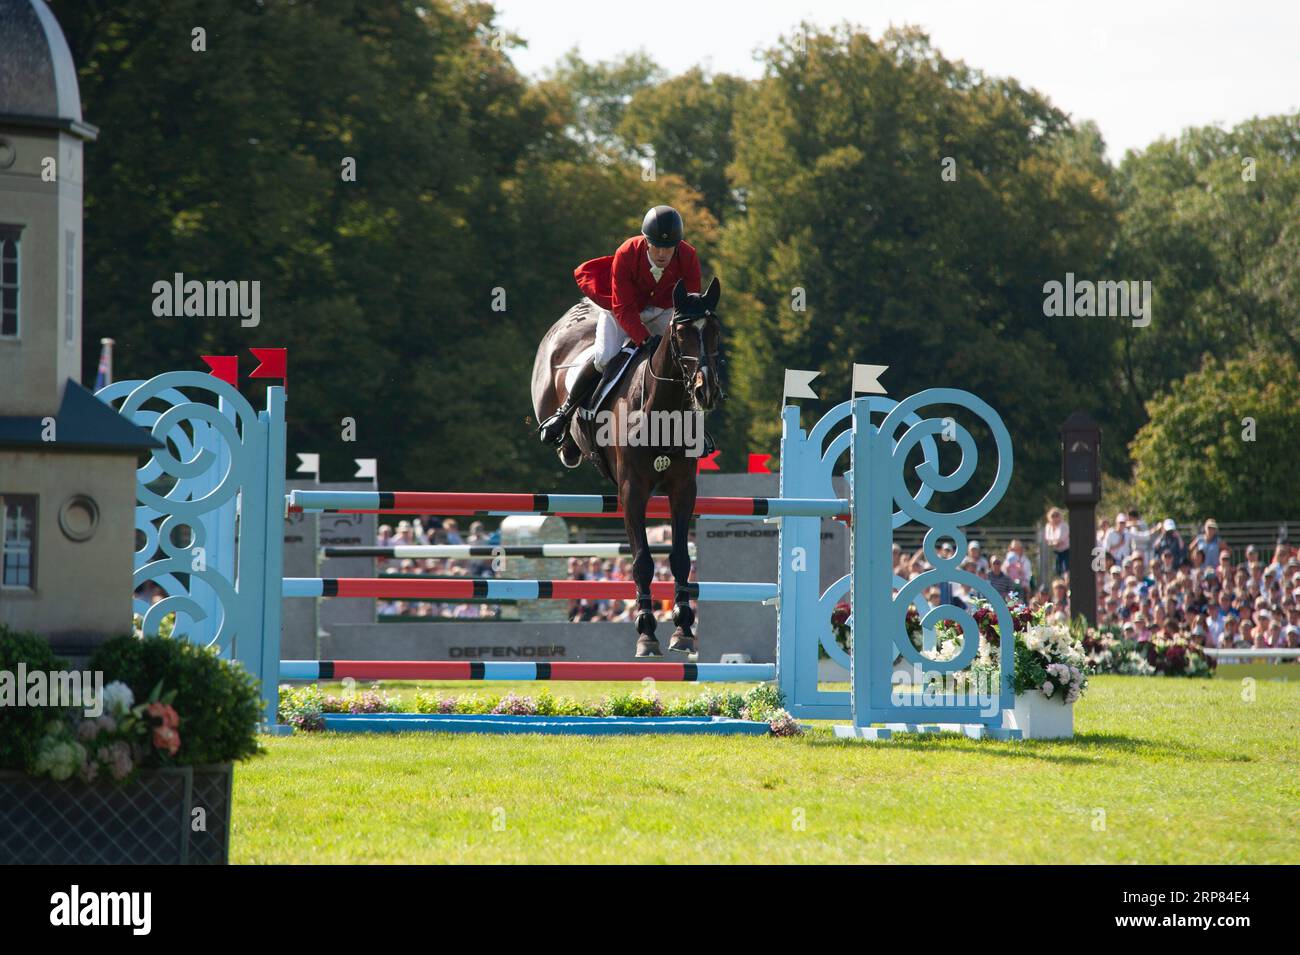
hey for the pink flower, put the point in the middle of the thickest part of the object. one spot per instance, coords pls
(118, 758)
(163, 711)
(165, 737)
(1048, 687)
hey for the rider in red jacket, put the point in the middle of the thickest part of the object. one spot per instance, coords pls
(633, 291)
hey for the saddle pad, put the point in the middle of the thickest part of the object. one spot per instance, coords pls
(624, 357)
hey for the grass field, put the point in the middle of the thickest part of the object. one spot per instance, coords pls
(1160, 771)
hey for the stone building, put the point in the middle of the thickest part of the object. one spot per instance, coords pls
(67, 461)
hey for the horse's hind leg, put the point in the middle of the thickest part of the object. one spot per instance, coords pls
(682, 502)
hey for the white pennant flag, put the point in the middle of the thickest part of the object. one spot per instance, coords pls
(866, 379)
(798, 384)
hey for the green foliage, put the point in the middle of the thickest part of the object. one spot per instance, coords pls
(632, 703)
(301, 706)
(599, 94)
(478, 703)
(1197, 455)
(227, 165)
(825, 175)
(686, 122)
(22, 727)
(838, 160)
(1209, 219)
(549, 705)
(218, 701)
(1031, 670)
(763, 702)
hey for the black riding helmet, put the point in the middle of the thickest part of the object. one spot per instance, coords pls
(662, 227)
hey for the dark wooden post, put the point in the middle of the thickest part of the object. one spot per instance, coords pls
(1081, 479)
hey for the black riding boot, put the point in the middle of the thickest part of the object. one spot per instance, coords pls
(553, 428)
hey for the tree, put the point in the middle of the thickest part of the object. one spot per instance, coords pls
(684, 124)
(1221, 441)
(855, 246)
(1211, 222)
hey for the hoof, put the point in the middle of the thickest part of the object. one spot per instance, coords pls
(648, 646)
(685, 643)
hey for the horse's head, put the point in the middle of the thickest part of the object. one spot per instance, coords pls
(696, 337)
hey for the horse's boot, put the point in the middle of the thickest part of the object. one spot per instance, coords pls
(552, 430)
(709, 446)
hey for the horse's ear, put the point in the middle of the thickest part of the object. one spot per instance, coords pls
(680, 295)
(712, 294)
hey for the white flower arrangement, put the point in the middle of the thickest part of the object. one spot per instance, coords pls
(118, 699)
(1135, 664)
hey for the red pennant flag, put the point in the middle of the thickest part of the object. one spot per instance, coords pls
(708, 463)
(758, 464)
(274, 363)
(225, 367)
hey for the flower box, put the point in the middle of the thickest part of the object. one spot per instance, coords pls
(1040, 717)
(144, 821)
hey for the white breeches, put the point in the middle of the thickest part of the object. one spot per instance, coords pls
(610, 336)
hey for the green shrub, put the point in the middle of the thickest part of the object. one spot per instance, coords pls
(478, 703)
(218, 702)
(634, 703)
(22, 727)
(763, 702)
(302, 707)
(687, 706)
(568, 706)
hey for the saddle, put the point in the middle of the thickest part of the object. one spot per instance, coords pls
(585, 417)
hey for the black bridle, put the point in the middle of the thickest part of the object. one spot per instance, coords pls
(705, 362)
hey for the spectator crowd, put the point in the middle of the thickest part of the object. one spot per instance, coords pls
(1157, 584)
(1150, 583)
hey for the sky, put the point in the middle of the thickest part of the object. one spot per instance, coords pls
(1140, 69)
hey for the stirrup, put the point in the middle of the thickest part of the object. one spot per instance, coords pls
(565, 455)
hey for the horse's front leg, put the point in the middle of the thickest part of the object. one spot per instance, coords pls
(682, 501)
(634, 496)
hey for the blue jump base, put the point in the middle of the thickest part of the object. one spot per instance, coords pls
(547, 725)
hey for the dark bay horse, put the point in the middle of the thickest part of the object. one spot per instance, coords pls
(661, 388)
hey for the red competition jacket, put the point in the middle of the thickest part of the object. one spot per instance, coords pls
(623, 284)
